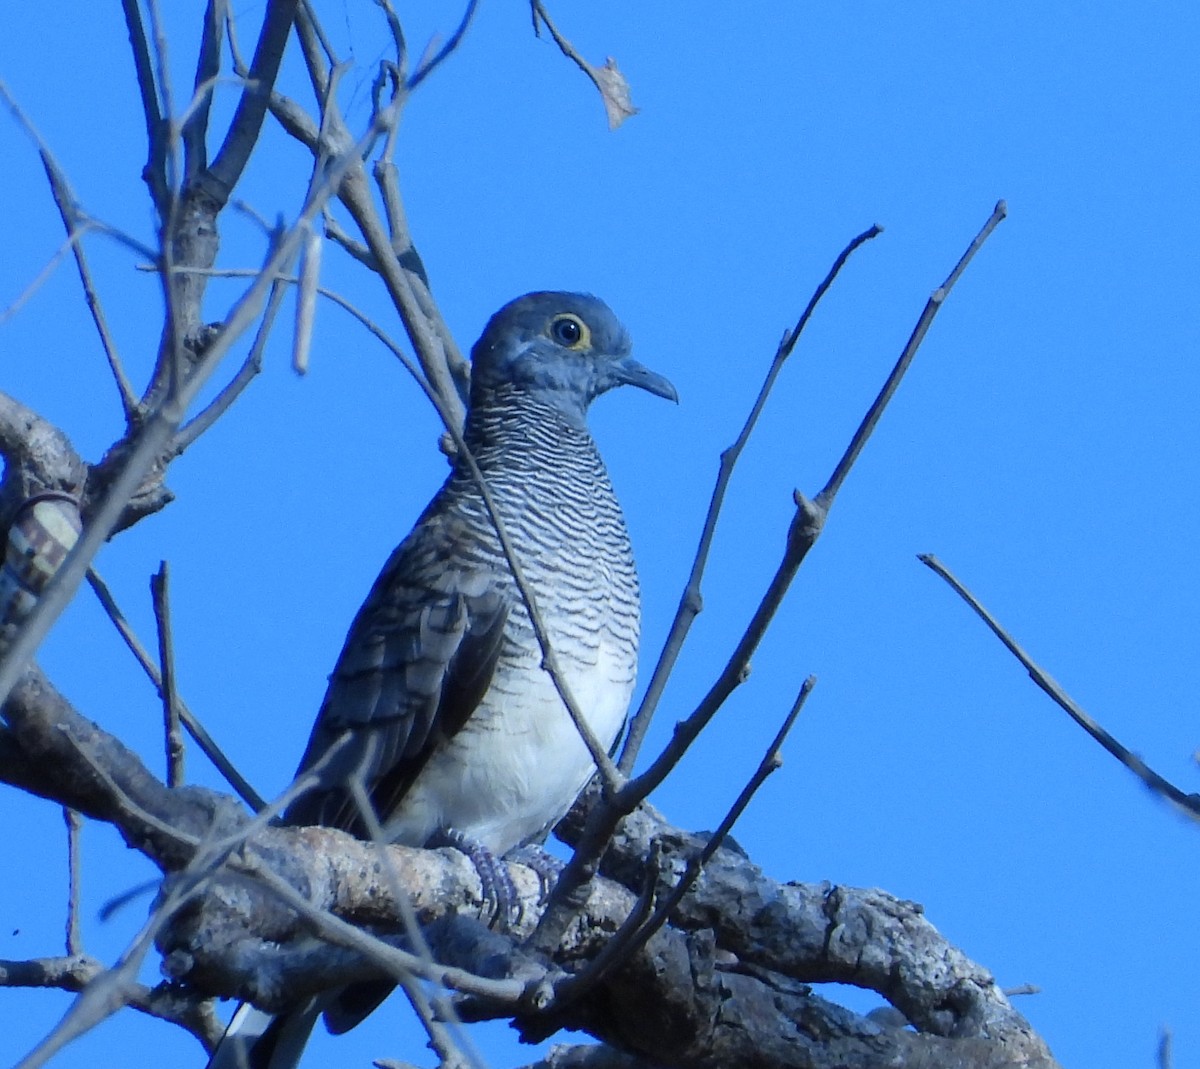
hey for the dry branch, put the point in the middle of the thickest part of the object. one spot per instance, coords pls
(734, 963)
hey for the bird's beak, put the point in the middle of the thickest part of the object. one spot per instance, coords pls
(630, 373)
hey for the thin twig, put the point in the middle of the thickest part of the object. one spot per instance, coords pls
(194, 129)
(166, 658)
(608, 80)
(388, 182)
(378, 839)
(615, 948)
(64, 199)
(84, 222)
(74, 824)
(1190, 803)
(806, 526)
(611, 777)
(74, 972)
(636, 933)
(354, 247)
(932, 306)
(399, 43)
(691, 600)
(167, 129)
(771, 761)
(442, 362)
(434, 1018)
(426, 340)
(306, 13)
(395, 961)
(155, 172)
(425, 69)
(235, 51)
(336, 298)
(385, 168)
(250, 368)
(153, 437)
(197, 730)
(44, 274)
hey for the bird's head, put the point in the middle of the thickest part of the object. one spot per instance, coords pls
(565, 349)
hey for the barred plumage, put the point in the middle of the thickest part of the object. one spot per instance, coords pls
(439, 702)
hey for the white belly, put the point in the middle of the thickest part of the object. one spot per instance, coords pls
(519, 763)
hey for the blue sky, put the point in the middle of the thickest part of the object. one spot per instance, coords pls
(1044, 446)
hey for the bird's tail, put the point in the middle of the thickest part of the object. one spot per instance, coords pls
(257, 1040)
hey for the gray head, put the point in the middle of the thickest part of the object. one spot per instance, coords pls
(565, 349)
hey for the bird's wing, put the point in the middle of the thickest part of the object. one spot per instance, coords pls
(419, 658)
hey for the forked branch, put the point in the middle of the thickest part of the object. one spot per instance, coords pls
(805, 528)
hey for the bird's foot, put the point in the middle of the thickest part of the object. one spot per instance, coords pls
(546, 865)
(498, 888)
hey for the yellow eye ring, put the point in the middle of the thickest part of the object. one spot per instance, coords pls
(569, 331)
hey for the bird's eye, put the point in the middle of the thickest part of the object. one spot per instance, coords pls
(570, 331)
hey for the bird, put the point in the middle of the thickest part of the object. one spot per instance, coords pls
(439, 704)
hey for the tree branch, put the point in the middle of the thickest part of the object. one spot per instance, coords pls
(1160, 785)
(241, 940)
(806, 526)
(75, 971)
(691, 601)
(155, 171)
(219, 179)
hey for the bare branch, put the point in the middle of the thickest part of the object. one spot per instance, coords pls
(772, 760)
(219, 179)
(150, 443)
(74, 826)
(387, 179)
(273, 962)
(429, 348)
(166, 128)
(399, 43)
(436, 1015)
(319, 59)
(691, 601)
(1164, 788)
(194, 130)
(394, 961)
(196, 729)
(49, 750)
(64, 199)
(166, 658)
(426, 68)
(614, 89)
(44, 274)
(249, 370)
(355, 248)
(155, 172)
(75, 971)
(314, 24)
(936, 299)
(805, 528)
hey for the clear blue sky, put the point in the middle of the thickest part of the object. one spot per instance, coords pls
(1045, 446)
